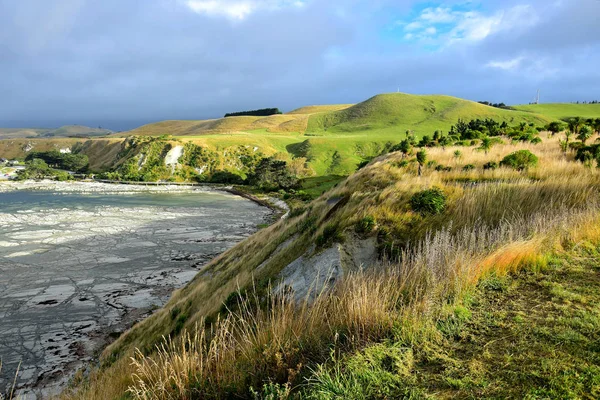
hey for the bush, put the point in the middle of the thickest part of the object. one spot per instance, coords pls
(536, 140)
(443, 168)
(429, 202)
(366, 225)
(520, 160)
(226, 177)
(330, 234)
(490, 166)
(468, 167)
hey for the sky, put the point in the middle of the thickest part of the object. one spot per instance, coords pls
(123, 63)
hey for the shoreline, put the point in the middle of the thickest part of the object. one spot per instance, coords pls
(279, 207)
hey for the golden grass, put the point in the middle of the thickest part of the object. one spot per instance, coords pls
(496, 222)
(320, 109)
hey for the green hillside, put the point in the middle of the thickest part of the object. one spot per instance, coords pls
(338, 137)
(563, 110)
(423, 114)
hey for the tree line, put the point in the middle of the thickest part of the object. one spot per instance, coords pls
(263, 112)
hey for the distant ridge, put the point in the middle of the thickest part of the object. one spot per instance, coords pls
(62, 132)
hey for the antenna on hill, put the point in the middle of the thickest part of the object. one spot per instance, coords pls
(537, 98)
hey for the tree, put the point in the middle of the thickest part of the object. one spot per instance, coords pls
(555, 127)
(585, 133)
(486, 145)
(421, 159)
(405, 148)
(271, 174)
(575, 124)
(595, 124)
(520, 160)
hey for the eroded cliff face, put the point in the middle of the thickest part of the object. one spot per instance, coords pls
(102, 153)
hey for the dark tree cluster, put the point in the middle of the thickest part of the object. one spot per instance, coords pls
(587, 102)
(496, 105)
(263, 112)
(272, 175)
(56, 159)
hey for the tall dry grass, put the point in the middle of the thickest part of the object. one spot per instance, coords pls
(496, 222)
(257, 345)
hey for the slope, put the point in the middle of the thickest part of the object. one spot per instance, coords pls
(562, 110)
(342, 239)
(421, 114)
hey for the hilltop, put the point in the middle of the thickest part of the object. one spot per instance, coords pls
(421, 114)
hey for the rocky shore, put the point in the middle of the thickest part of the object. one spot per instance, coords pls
(76, 277)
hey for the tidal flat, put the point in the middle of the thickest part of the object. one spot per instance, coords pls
(80, 263)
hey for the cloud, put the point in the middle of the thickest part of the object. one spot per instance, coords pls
(455, 25)
(120, 64)
(238, 9)
(507, 64)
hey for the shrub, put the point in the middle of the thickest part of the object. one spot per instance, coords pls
(226, 177)
(366, 225)
(536, 140)
(330, 234)
(492, 165)
(520, 160)
(429, 202)
(443, 168)
(468, 167)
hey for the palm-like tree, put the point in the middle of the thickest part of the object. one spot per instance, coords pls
(486, 145)
(575, 124)
(421, 159)
(585, 133)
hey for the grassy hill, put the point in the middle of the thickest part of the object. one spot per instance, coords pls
(339, 136)
(563, 110)
(469, 301)
(422, 114)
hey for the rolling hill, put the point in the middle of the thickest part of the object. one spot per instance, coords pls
(382, 114)
(422, 114)
(563, 110)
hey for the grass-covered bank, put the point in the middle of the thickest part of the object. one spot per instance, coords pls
(494, 222)
(532, 334)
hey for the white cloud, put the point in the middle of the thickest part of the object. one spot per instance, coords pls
(507, 64)
(452, 26)
(238, 9)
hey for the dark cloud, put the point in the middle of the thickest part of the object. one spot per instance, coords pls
(120, 63)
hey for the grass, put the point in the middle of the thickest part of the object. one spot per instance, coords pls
(559, 111)
(496, 223)
(398, 112)
(533, 334)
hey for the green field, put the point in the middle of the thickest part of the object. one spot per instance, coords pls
(338, 138)
(563, 110)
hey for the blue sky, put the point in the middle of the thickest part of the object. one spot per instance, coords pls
(121, 63)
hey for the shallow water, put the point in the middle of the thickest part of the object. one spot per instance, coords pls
(76, 268)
